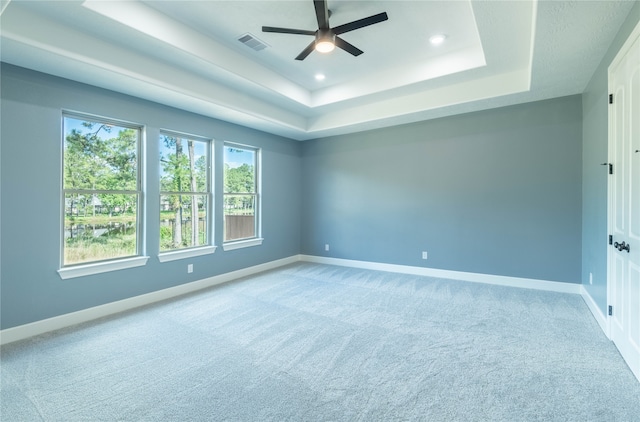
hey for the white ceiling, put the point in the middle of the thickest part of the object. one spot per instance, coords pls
(187, 54)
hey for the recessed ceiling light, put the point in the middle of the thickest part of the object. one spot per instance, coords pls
(437, 39)
(320, 77)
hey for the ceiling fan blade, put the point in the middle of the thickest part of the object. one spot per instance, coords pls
(303, 55)
(322, 13)
(360, 23)
(287, 30)
(349, 48)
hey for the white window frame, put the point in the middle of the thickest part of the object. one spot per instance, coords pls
(209, 248)
(102, 266)
(256, 240)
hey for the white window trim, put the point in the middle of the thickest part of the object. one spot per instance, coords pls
(176, 254)
(239, 244)
(186, 253)
(230, 245)
(98, 267)
(102, 267)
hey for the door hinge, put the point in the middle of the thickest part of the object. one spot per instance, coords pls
(610, 239)
(610, 168)
(610, 310)
(610, 98)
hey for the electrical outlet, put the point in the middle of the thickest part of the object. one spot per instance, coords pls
(590, 278)
(424, 254)
(326, 247)
(190, 268)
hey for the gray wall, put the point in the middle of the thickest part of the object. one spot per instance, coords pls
(494, 192)
(594, 189)
(30, 198)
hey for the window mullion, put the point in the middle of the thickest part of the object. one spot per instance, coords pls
(102, 191)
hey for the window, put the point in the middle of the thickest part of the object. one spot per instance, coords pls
(241, 195)
(185, 192)
(101, 192)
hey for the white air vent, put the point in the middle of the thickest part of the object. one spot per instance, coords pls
(252, 42)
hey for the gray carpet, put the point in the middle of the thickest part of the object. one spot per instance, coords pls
(312, 342)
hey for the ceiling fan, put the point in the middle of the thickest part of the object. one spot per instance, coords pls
(326, 38)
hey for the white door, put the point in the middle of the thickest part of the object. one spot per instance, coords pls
(624, 201)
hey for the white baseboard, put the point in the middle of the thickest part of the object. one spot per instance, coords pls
(527, 283)
(601, 319)
(22, 332)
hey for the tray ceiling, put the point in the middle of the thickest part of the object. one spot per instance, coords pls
(187, 54)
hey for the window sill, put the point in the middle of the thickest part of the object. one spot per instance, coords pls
(102, 267)
(242, 244)
(186, 253)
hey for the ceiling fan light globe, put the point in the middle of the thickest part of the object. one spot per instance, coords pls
(325, 46)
